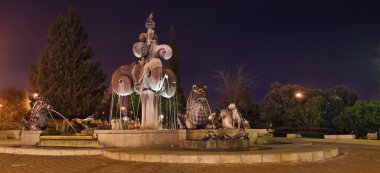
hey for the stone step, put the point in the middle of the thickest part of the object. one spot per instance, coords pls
(84, 137)
(68, 141)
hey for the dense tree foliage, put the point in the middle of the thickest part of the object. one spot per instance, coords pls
(66, 74)
(362, 118)
(312, 108)
(14, 105)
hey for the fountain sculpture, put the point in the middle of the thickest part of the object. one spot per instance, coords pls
(39, 119)
(147, 77)
(198, 109)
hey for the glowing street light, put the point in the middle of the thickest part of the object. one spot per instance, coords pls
(123, 108)
(299, 95)
(35, 95)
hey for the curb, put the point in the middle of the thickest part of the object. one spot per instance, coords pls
(240, 158)
(50, 152)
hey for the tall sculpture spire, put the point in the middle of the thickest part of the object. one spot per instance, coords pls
(148, 77)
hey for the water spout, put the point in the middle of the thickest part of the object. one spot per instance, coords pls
(65, 120)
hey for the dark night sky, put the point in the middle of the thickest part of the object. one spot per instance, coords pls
(318, 44)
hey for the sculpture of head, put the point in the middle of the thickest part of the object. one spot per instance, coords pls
(199, 93)
(232, 106)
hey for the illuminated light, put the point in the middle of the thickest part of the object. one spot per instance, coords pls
(210, 117)
(162, 117)
(1, 105)
(123, 108)
(35, 95)
(299, 95)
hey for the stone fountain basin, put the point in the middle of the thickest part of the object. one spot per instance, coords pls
(212, 144)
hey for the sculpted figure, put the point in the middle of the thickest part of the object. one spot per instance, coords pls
(236, 118)
(197, 108)
(226, 119)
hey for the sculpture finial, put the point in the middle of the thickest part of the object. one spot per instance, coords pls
(149, 22)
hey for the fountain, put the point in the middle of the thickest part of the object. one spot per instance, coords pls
(147, 77)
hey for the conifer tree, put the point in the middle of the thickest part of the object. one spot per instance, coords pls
(174, 66)
(66, 75)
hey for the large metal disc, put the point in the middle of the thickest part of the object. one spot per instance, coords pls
(170, 85)
(122, 83)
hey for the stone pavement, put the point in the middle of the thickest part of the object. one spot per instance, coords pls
(356, 158)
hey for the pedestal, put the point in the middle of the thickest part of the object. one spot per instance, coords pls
(149, 117)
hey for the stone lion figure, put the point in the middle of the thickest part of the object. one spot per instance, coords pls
(197, 108)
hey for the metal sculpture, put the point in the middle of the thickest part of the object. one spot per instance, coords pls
(39, 119)
(147, 77)
(198, 109)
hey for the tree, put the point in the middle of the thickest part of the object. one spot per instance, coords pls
(174, 66)
(309, 114)
(14, 105)
(362, 118)
(235, 88)
(279, 104)
(66, 74)
(335, 101)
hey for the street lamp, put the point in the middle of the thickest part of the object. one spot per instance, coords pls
(299, 95)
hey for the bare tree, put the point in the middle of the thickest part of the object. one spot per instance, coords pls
(235, 87)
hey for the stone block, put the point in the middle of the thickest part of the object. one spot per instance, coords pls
(273, 158)
(119, 140)
(335, 152)
(124, 156)
(81, 152)
(289, 157)
(29, 151)
(67, 152)
(251, 158)
(54, 152)
(208, 159)
(9, 150)
(2, 149)
(327, 154)
(94, 152)
(41, 152)
(317, 155)
(170, 158)
(305, 156)
(137, 157)
(187, 159)
(372, 136)
(18, 150)
(152, 158)
(230, 158)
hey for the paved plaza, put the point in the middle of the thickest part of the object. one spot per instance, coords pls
(355, 158)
